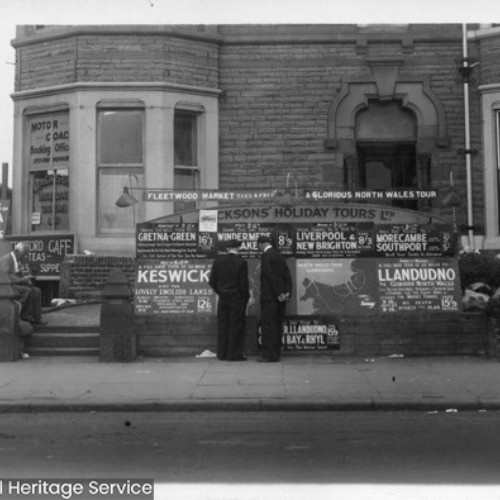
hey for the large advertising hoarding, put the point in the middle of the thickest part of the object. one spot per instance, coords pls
(344, 260)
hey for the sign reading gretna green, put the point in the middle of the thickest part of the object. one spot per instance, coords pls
(344, 259)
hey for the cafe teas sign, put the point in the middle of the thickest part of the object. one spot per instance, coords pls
(45, 253)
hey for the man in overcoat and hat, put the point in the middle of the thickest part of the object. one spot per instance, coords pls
(229, 280)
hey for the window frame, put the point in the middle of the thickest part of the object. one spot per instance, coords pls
(133, 171)
(59, 161)
(196, 114)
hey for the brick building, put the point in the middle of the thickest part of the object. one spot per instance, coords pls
(100, 108)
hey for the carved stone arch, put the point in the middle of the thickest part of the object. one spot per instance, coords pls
(414, 94)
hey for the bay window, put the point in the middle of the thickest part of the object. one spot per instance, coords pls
(120, 163)
(48, 158)
(186, 164)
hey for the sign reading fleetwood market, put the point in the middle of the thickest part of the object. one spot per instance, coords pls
(321, 195)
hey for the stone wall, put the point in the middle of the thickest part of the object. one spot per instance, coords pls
(489, 55)
(84, 54)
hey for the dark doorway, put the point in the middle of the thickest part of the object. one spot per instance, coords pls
(386, 166)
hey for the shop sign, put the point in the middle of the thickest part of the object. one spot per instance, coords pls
(48, 141)
(209, 195)
(312, 213)
(45, 253)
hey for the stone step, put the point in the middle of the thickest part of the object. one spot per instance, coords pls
(56, 340)
(63, 341)
(62, 351)
(68, 329)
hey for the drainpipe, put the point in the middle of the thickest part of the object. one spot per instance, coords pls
(466, 69)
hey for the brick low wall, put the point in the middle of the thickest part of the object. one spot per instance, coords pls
(439, 334)
(83, 277)
(467, 333)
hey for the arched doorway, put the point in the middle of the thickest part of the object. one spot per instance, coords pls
(369, 126)
(386, 138)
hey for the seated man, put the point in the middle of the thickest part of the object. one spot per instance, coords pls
(30, 295)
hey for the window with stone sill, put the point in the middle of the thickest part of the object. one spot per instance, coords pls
(120, 163)
(186, 164)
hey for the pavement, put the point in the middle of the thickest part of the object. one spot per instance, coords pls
(326, 382)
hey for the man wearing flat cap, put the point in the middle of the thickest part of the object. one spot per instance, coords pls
(275, 291)
(229, 280)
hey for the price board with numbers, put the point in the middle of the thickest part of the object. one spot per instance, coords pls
(248, 234)
(409, 285)
(333, 240)
(414, 240)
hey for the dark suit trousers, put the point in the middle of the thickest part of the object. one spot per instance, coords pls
(231, 321)
(272, 314)
(31, 302)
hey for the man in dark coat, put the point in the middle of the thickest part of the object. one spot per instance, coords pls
(275, 291)
(229, 280)
(29, 295)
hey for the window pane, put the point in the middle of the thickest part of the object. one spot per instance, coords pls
(185, 139)
(113, 219)
(120, 137)
(48, 141)
(185, 179)
(50, 200)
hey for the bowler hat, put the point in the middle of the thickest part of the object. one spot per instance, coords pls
(263, 238)
(233, 243)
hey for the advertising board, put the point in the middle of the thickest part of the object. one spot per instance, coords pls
(173, 287)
